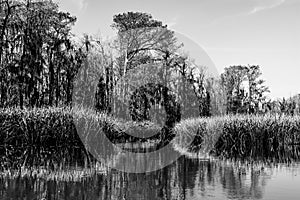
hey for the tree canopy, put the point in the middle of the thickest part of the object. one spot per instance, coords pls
(39, 62)
(245, 90)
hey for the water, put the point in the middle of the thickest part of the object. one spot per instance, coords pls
(187, 178)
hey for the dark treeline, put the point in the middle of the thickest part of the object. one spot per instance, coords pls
(40, 61)
(246, 93)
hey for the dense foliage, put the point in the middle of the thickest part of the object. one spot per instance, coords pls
(245, 90)
(38, 61)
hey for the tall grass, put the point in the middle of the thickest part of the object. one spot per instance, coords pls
(37, 137)
(254, 137)
(49, 136)
(59, 136)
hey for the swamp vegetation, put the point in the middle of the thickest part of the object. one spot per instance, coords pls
(50, 145)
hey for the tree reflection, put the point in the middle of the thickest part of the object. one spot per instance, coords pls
(184, 179)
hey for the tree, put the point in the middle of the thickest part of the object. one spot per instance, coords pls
(232, 80)
(245, 90)
(257, 89)
(135, 20)
(140, 40)
(38, 61)
(143, 40)
(97, 75)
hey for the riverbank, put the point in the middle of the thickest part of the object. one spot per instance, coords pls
(49, 136)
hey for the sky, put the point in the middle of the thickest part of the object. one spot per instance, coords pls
(231, 32)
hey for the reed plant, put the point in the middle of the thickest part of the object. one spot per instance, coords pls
(50, 136)
(59, 136)
(242, 136)
(37, 137)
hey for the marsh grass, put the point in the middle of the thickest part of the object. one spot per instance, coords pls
(38, 137)
(59, 136)
(48, 137)
(243, 137)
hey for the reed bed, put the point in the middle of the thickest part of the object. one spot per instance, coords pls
(242, 136)
(59, 136)
(38, 137)
(49, 136)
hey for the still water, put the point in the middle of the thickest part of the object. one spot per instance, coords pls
(187, 178)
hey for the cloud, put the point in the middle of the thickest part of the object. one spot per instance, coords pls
(265, 5)
(74, 6)
(81, 4)
(239, 9)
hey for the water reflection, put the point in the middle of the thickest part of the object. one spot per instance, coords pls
(187, 178)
